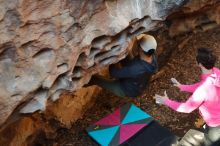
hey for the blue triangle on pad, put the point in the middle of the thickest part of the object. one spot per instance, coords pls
(134, 114)
(104, 136)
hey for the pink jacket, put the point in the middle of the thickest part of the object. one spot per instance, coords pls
(206, 97)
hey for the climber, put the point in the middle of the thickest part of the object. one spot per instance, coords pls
(206, 97)
(132, 77)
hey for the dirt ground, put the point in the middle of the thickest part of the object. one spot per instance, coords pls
(177, 60)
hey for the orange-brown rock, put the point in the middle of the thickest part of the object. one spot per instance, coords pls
(71, 106)
(19, 133)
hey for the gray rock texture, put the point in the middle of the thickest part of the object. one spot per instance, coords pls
(49, 46)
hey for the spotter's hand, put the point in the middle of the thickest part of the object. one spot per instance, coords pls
(161, 99)
(175, 82)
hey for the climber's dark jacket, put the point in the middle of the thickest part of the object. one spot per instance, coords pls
(135, 75)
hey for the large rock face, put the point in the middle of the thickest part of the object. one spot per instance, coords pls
(49, 46)
(195, 17)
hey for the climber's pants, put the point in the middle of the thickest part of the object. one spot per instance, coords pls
(110, 85)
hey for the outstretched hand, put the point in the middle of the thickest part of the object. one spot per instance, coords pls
(161, 99)
(175, 82)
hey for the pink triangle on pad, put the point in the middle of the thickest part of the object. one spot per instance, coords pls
(127, 131)
(112, 119)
